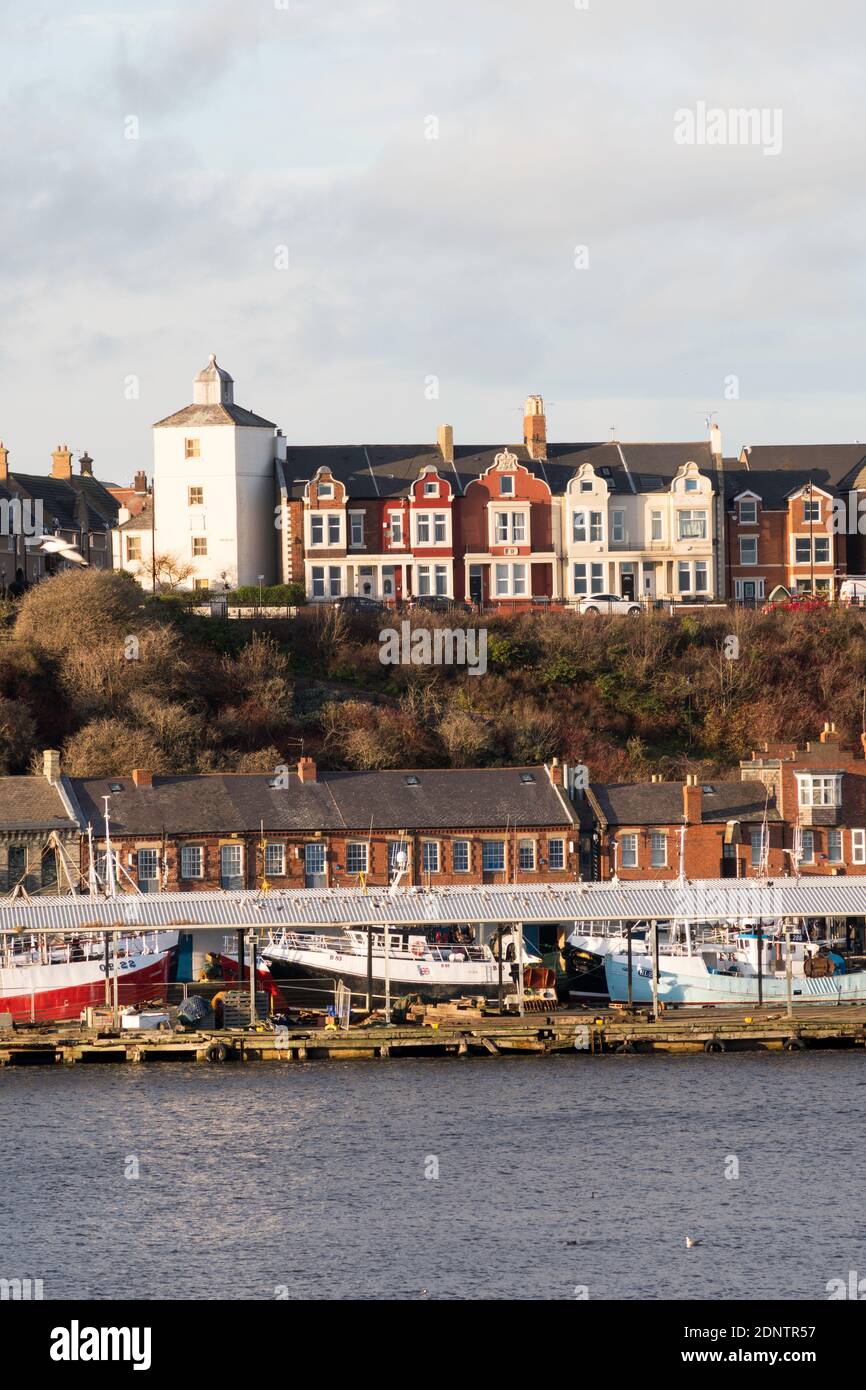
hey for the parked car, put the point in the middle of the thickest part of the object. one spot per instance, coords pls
(356, 603)
(608, 603)
(438, 604)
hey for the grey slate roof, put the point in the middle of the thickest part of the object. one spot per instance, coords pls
(225, 414)
(830, 465)
(80, 501)
(32, 803)
(774, 486)
(661, 803)
(389, 470)
(239, 802)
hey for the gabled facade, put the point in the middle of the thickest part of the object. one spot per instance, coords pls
(53, 522)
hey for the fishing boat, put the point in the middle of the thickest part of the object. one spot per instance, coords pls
(753, 965)
(45, 981)
(434, 963)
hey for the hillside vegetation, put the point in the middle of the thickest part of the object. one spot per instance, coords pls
(90, 665)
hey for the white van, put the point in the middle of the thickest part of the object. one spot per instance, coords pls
(853, 589)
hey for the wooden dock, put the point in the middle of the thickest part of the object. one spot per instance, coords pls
(711, 1031)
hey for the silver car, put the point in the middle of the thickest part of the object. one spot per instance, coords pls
(608, 603)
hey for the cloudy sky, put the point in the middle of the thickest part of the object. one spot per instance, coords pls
(358, 205)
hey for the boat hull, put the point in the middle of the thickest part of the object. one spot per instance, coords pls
(306, 982)
(55, 993)
(707, 988)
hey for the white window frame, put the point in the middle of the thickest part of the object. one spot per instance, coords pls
(280, 856)
(752, 543)
(658, 844)
(186, 852)
(690, 517)
(556, 851)
(617, 524)
(464, 847)
(744, 518)
(356, 530)
(657, 524)
(430, 852)
(526, 856)
(858, 846)
(506, 485)
(358, 851)
(628, 850)
(828, 786)
(835, 836)
(487, 849)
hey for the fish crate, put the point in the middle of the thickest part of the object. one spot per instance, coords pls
(236, 1007)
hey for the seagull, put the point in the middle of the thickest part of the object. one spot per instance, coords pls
(56, 545)
(691, 1243)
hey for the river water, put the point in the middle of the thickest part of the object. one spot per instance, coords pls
(537, 1178)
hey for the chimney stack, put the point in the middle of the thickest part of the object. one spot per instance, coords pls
(61, 463)
(140, 483)
(51, 765)
(554, 772)
(86, 464)
(306, 770)
(692, 800)
(828, 733)
(716, 440)
(141, 777)
(445, 440)
(4, 462)
(535, 427)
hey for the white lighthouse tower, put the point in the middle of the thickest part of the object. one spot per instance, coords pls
(213, 476)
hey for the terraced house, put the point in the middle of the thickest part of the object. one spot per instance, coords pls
(533, 522)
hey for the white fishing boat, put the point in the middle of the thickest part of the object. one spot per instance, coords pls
(718, 972)
(435, 963)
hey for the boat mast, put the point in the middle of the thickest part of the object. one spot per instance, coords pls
(110, 882)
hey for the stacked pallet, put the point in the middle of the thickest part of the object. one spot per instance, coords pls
(465, 1010)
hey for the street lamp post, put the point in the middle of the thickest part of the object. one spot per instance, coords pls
(261, 582)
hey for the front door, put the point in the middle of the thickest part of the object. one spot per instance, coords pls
(366, 582)
(314, 866)
(749, 591)
(388, 581)
(649, 583)
(476, 584)
(231, 867)
(627, 582)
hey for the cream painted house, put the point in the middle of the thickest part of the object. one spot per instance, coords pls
(640, 535)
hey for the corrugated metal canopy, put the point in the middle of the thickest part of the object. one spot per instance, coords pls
(698, 901)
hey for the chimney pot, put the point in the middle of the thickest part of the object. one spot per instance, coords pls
(142, 777)
(86, 463)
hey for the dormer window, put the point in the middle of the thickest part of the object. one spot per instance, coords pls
(586, 484)
(431, 488)
(690, 485)
(326, 490)
(506, 486)
(748, 511)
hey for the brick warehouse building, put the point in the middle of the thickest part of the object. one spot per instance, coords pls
(333, 829)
